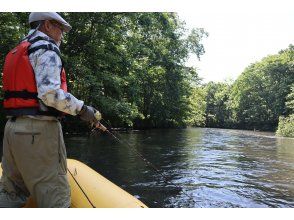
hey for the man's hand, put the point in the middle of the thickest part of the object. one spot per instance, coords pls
(90, 114)
(98, 115)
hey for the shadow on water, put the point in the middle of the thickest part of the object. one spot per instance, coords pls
(120, 164)
(215, 167)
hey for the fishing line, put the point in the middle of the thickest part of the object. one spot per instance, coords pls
(81, 189)
(165, 179)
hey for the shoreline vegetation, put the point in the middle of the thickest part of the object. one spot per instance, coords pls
(132, 67)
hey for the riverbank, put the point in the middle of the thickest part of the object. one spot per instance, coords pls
(74, 126)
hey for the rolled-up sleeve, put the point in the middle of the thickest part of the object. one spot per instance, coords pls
(47, 66)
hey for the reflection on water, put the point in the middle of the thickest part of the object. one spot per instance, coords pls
(208, 167)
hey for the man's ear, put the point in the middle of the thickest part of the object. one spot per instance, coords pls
(47, 25)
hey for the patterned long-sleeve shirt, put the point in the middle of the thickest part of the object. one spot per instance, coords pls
(47, 66)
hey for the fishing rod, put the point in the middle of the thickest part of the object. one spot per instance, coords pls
(100, 126)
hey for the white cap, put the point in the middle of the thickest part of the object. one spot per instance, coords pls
(41, 16)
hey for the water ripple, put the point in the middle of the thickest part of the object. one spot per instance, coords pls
(205, 167)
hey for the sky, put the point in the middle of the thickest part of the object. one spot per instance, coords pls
(239, 35)
(241, 32)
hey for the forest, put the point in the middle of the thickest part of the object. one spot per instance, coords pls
(133, 68)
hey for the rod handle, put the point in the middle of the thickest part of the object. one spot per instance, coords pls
(100, 126)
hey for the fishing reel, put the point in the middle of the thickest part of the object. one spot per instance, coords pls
(98, 125)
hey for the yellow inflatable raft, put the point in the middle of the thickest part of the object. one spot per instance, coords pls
(91, 190)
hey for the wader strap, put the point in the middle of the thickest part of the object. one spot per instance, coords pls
(31, 111)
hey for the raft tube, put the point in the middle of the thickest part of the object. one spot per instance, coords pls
(89, 189)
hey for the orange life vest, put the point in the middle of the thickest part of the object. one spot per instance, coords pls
(19, 83)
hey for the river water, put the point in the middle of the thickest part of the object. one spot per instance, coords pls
(204, 167)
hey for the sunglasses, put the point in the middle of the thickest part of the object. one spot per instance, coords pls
(56, 24)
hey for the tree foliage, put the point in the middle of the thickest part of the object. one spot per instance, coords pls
(257, 98)
(259, 94)
(286, 124)
(290, 101)
(130, 66)
(218, 104)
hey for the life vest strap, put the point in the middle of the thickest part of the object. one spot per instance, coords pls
(42, 38)
(44, 46)
(20, 94)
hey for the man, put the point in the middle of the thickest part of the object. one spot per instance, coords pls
(34, 154)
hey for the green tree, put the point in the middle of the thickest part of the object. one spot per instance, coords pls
(290, 101)
(218, 109)
(197, 107)
(259, 94)
(286, 124)
(131, 66)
